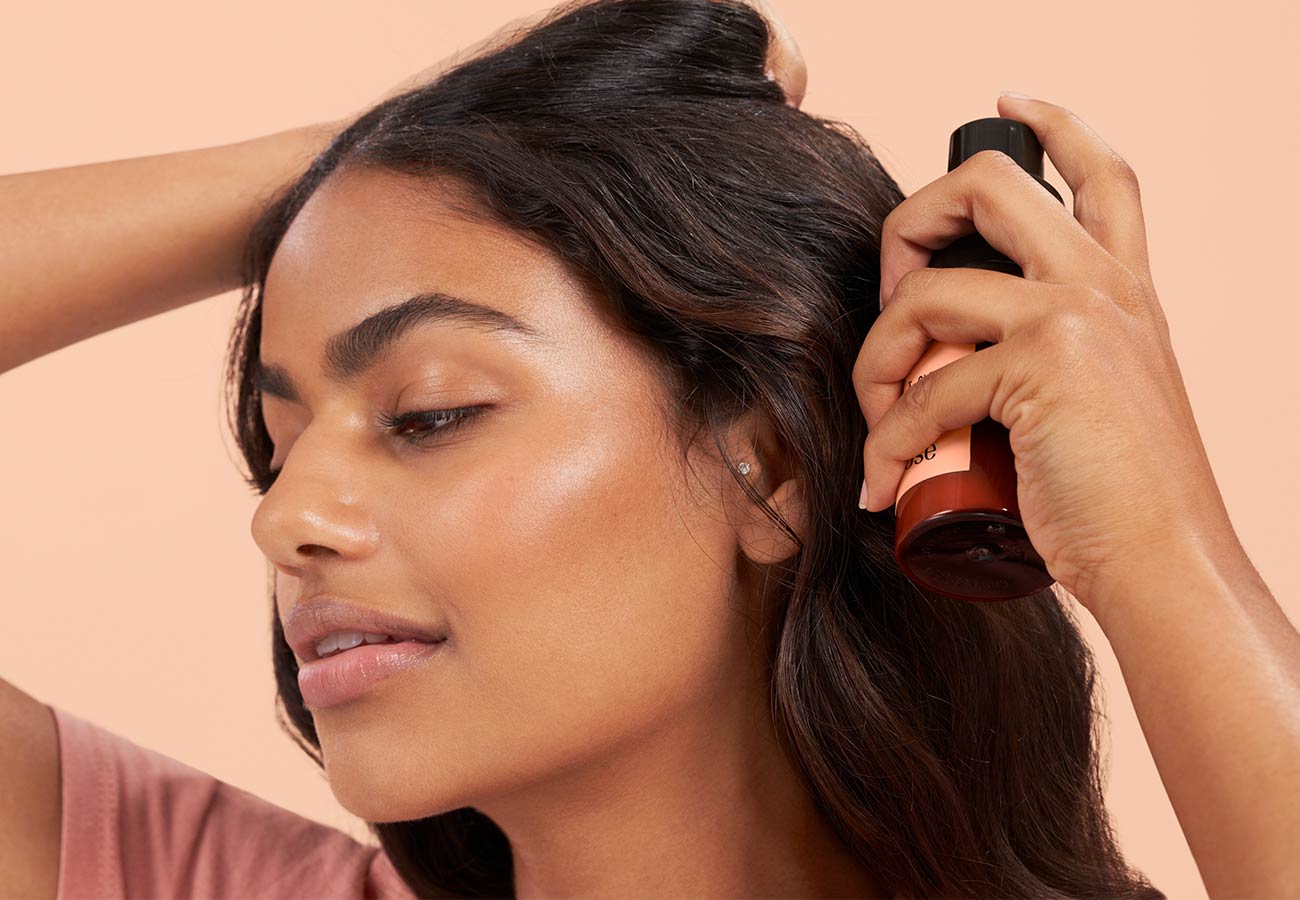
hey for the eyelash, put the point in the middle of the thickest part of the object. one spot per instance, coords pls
(393, 421)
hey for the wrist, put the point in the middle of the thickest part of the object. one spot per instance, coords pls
(239, 180)
(1189, 565)
(308, 141)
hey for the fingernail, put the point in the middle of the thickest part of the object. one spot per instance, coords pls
(862, 498)
(1016, 95)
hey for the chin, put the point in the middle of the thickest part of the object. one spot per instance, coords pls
(376, 796)
(386, 776)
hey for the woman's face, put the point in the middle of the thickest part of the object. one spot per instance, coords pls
(583, 576)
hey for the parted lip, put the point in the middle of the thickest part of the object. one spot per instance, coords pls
(311, 620)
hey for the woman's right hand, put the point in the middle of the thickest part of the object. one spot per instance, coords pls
(179, 220)
(785, 62)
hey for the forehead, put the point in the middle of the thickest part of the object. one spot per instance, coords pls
(368, 238)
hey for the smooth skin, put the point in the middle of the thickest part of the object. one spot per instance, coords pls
(1114, 484)
(601, 695)
(70, 273)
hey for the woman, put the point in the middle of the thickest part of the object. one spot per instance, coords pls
(558, 372)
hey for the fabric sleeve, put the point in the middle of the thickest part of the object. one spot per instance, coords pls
(140, 824)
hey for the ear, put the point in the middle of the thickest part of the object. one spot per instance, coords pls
(763, 541)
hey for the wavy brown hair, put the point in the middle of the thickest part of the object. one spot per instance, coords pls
(952, 746)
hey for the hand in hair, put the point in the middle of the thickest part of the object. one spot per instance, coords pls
(785, 62)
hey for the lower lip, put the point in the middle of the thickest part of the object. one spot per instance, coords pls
(348, 675)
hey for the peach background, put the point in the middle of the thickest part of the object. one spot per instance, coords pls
(133, 591)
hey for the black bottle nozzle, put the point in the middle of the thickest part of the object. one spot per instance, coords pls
(1011, 136)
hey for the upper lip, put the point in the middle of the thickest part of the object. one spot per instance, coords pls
(311, 620)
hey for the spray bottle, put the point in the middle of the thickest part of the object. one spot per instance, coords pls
(958, 530)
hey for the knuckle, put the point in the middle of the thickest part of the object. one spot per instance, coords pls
(1131, 294)
(1135, 295)
(914, 281)
(1133, 290)
(861, 373)
(992, 161)
(890, 223)
(1120, 170)
(1092, 302)
(1063, 116)
(1067, 326)
(1161, 322)
(916, 399)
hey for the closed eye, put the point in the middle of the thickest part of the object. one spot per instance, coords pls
(439, 422)
(437, 425)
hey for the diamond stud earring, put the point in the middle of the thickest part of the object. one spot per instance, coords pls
(743, 468)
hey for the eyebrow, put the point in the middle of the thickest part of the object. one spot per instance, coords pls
(351, 352)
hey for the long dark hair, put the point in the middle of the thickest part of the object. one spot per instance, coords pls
(952, 746)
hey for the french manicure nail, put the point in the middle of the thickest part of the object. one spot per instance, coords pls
(1015, 95)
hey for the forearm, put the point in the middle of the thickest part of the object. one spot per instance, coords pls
(1213, 668)
(89, 248)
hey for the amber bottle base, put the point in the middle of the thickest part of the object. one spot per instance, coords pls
(972, 555)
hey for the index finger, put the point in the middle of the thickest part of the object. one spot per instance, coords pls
(990, 194)
(1107, 201)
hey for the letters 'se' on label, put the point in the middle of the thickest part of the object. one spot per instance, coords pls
(951, 451)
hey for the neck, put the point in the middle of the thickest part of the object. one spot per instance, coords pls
(706, 807)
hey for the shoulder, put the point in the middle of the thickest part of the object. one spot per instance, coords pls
(137, 822)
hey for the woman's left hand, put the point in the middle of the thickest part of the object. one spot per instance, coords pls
(1110, 465)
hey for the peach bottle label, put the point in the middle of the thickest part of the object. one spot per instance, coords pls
(951, 451)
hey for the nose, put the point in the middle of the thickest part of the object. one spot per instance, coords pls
(316, 509)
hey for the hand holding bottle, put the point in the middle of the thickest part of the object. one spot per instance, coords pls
(1110, 468)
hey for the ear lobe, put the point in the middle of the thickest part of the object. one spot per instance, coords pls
(763, 541)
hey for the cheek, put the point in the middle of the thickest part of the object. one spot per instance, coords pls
(589, 598)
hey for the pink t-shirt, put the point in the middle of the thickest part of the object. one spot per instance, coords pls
(139, 824)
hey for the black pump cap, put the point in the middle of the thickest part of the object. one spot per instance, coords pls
(1014, 138)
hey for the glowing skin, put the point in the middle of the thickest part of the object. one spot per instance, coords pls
(602, 699)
